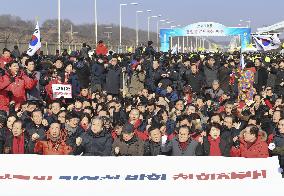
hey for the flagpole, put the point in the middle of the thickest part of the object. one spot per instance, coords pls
(59, 41)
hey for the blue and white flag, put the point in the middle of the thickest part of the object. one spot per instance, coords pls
(267, 42)
(35, 43)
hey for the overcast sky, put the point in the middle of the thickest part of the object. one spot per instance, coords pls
(183, 12)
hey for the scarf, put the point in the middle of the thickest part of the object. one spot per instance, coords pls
(19, 144)
(183, 145)
(214, 146)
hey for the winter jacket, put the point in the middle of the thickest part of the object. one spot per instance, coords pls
(258, 150)
(172, 97)
(172, 147)
(113, 80)
(215, 94)
(8, 147)
(150, 82)
(95, 144)
(223, 77)
(34, 93)
(136, 83)
(210, 74)
(98, 72)
(4, 134)
(140, 130)
(83, 73)
(133, 147)
(279, 148)
(4, 98)
(71, 136)
(279, 79)
(76, 86)
(101, 49)
(21, 82)
(224, 145)
(196, 81)
(152, 148)
(260, 79)
(48, 146)
(52, 148)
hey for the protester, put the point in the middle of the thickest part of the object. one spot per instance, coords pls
(54, 144)
(144, 103)
(128, 144)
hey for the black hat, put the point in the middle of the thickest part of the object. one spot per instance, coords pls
(150, 43)
(128, 128)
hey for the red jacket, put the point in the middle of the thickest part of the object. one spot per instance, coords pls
(142, 134)
(101, 49)
(258, 150)
(53, 148)
(4, 98)
(19, 87)
(4, 61)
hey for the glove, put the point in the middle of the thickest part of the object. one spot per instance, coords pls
(236, 144)
(2, 72)
(164, 140)
(271, 146)
(12, 79)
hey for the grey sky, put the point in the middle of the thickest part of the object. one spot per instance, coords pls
(183, 12)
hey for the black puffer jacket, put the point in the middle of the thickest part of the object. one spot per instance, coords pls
(99, 144)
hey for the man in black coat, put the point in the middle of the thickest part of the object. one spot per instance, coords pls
(279, 83)
(194, 79)
(98, 77)
(72, 128)
(224, 77)
(216, 144)
(260, 76)
(97, 141)
(152, 147)
(153, 71)
(114, 78)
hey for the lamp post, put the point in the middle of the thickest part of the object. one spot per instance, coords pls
(96, 23)
(120, 8)
(59, 41)
(172, 36)
(149, 17)
(158, 33)
(137, 27)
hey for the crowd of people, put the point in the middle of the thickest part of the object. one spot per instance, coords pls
(145, 103)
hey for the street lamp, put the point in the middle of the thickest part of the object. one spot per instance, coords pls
(120, 6)
(96, 23)
(137, 28)
(59, 26)
(158, 33)
(149, 17)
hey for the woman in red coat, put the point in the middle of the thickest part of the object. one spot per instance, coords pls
(19, 83)
(251, 144)
(55, 143)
